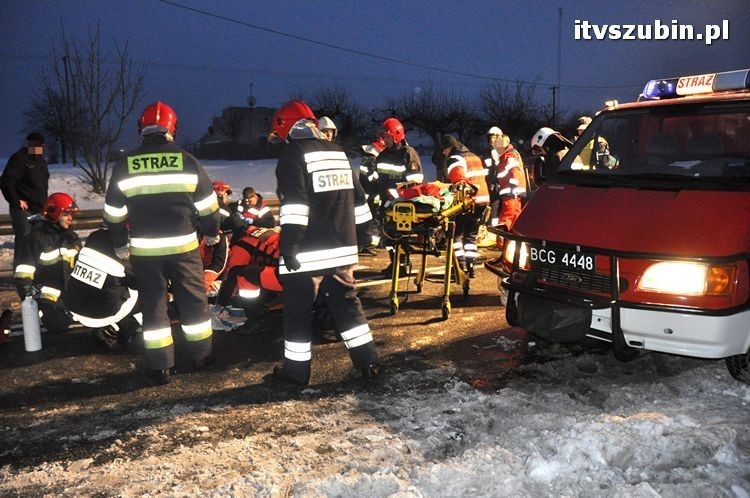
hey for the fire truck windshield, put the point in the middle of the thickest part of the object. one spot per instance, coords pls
(689, 143)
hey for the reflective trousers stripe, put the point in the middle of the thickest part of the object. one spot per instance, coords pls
(197, 332)
(157, 339)
(298, 351)
(357, 336)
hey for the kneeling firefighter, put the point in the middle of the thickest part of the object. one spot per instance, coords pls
(101, 293)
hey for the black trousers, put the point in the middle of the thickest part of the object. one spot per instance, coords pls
(339, 292)
(55, 316)
(21, 230)
(183, 273)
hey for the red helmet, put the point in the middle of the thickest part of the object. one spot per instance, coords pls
(157, 118)
(394, 128)
(287, 115)
(222, 188)
(57, 204)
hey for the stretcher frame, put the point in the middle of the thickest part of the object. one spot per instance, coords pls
(415, 233)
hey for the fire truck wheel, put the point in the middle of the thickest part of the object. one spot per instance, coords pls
(739, 366)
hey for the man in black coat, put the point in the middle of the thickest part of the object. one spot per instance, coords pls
(24, 185)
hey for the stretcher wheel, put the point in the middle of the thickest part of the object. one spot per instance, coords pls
(465, 287)
(419, 287)
(394, 307)
(446, 309)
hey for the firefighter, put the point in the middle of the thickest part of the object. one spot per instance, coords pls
(397, 163)
(102, 293)
(214, 256)
(549, 146)
(463, 165)
(323, 209)
(48, 260)
(164, 193)
(328, 128)
(368, 175)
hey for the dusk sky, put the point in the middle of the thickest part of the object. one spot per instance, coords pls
(199, 63)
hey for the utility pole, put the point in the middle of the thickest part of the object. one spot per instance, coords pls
(67, 108)
(554, 107)
(559, 58)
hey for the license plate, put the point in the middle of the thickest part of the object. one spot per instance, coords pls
(563, 259)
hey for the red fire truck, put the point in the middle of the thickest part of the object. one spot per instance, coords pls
(641, 236)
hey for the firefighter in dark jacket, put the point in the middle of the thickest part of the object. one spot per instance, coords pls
(101, 293)
(215, 256)
(323, 210)
(164, 193)
(231, 221)
(398, 162)
(47, 264)
(24, 185)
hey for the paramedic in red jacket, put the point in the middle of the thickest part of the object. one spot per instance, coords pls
(465, 166)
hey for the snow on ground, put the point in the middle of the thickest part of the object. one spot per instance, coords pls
(570, 427)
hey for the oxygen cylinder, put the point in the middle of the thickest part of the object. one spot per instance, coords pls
(32, 334)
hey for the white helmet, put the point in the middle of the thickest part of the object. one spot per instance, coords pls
(494, 131)
(584, 120)
(326, 123)
(541, 136)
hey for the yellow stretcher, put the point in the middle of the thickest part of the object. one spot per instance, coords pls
(415, 232)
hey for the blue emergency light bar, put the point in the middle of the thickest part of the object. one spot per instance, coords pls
(693, 85)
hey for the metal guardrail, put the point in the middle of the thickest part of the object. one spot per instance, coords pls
(86, 219)
(89, 219)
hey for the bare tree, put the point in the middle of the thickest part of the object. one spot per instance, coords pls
(48, 113)
(515, 109)
(98, 97)
(435, 112)
(351, 120)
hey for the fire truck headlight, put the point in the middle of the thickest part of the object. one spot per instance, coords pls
(509, 251)
(688, 279)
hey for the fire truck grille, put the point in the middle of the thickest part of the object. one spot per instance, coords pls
(592, 282)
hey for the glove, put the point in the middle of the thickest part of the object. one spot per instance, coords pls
(212, 241)
(123, 252)
(291, 262)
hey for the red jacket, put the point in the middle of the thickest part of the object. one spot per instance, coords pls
(258, 246)
(463, 165)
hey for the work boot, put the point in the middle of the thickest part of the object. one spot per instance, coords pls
(282, 373)
(203, 362)
(107, 338)
(160, 376)
(371, 372)
(470, 268)
(369, 251)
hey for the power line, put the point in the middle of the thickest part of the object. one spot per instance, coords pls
(377, 56)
